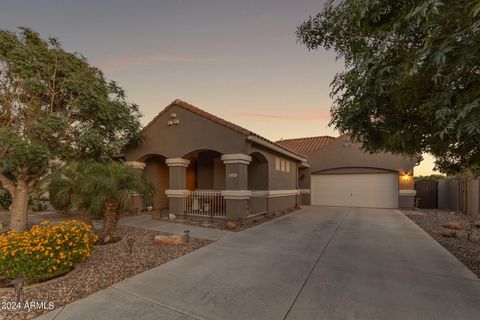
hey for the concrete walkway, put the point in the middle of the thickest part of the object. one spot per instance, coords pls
(145, 221)
(319, 263)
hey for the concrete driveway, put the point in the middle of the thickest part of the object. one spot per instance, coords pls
(318, 263)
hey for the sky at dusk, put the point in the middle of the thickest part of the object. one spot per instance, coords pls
(236, 59)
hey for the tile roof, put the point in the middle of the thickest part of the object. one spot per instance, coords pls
(218, 120)
(306, 146)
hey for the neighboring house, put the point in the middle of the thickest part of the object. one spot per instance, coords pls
(204, 166)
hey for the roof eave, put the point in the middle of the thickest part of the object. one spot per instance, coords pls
(274, 147)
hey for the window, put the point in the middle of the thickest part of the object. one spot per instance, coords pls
(277, 164)
(282, 165)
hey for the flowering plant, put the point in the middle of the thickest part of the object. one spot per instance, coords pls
(46, 250)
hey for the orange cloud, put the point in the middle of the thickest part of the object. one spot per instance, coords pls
(107, 65)
(297, 115)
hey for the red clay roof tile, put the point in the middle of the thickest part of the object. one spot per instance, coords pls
(306, 146)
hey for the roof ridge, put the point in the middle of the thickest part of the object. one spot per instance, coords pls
(314, 137)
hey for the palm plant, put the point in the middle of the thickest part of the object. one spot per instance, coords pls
(101, 189)
(68, 187)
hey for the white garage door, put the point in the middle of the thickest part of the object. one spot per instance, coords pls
(373, 190)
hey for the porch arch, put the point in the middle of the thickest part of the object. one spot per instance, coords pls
(258, 172)
(206, 170)
(157, 173)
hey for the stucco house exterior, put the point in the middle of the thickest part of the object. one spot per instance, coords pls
(203, 166)
(339, 173)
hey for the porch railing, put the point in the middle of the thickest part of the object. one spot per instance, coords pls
(205, 203)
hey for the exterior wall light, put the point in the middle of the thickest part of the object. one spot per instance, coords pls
(406, 177)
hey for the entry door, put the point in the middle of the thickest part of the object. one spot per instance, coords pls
(372, 190)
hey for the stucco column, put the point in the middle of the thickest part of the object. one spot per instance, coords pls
(236, 193)
(177, 168)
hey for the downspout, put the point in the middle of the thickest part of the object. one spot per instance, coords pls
(298, 197)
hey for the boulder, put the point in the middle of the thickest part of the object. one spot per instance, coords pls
(453, 225)
(449, 234)
(156, 214)
(169, 240)
(230, 225)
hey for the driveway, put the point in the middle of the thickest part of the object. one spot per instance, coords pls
(318, 263)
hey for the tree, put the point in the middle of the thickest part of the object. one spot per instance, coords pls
(432, 177)
(54, 107)
(412, 75)
(100, 189)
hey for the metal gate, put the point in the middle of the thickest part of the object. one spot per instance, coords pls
(205, 203)
(427, 194)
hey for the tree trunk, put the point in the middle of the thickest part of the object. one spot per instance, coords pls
(110, 221)
(19, 207)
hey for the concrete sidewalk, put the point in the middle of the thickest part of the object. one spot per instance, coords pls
(319, 263)
(145, 221)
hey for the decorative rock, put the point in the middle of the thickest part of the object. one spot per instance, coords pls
(453, 225)
(230, 225)
(156, 215)
(171, 240)
(449, 234)
(172, 217)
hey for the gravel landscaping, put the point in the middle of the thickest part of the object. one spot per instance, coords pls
(240, 225)
(108, 265)
(465, 249)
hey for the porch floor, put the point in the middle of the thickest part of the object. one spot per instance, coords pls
(145, 221)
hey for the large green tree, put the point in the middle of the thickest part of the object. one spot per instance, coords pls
(54, 107)
(412, 75)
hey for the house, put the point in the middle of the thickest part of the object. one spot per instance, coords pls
(203, 166)
(339, 173)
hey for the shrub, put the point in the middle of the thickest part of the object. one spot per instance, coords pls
(45, 251)
(5, 199)
(38, 205)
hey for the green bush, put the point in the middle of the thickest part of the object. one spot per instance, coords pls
(46, 250)
(38, 205)
(5, 199)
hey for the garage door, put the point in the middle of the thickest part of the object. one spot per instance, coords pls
(377, 190)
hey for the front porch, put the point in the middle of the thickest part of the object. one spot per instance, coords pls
(208, 168)
(206, 184)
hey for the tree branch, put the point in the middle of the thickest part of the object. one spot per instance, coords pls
(7, 184)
